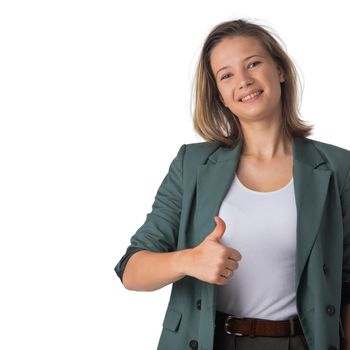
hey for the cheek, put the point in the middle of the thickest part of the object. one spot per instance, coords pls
(226, 95)
(273, 80)
(275, 87)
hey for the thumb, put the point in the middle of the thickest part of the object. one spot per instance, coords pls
(219, 229)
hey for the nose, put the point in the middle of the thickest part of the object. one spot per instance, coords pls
(244, 80)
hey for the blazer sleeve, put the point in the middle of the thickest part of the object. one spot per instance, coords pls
(159, 232)
(345, 203)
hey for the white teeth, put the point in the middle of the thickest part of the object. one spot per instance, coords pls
(251, 96)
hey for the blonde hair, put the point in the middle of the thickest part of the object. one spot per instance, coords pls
(215, 122)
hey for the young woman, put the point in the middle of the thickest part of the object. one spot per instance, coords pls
(251, 227)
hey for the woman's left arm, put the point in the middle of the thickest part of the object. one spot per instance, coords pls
(345, 315)
(345, 308)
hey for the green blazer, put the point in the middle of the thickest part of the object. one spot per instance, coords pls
(183, 213)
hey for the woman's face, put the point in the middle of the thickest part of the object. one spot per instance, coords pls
(241, 66)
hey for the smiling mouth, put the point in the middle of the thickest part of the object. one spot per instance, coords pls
(252, 97)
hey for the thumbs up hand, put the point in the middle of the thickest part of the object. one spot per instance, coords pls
(211, 261)
(218, 231)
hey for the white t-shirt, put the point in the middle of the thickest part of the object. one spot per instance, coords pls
(262, 227)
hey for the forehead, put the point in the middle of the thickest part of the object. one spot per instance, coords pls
(233, 50)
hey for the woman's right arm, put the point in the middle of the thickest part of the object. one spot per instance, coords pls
(148, 271)
(152, 259)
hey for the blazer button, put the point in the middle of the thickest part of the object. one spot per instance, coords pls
(325, 269)
(199, 304)
(330, 310)
(193, 344)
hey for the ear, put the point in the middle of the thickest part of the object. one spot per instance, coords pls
(281, 74)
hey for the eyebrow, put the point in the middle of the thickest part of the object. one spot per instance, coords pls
(247, 58)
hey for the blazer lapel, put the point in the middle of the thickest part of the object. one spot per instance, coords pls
(311, 182)
(310, 187)
(213, 181)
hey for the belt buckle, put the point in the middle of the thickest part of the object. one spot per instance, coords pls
(228, 318)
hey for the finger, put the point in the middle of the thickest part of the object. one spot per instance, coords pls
(234, 255)
(218, 230)
(233, 265)
(228, 273)
(223, 280)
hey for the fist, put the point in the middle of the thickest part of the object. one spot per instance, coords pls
(212, 261)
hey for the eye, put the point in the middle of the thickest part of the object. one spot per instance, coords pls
(225, 76)
(255, 63)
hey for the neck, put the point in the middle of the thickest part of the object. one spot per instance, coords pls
(266, 144)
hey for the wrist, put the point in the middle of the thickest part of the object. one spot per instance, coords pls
(182, 262)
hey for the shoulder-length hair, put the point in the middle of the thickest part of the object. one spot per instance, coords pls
(215, 122)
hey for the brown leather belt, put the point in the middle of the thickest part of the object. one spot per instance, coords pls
(257, 327)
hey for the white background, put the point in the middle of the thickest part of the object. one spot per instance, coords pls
(95, 101)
